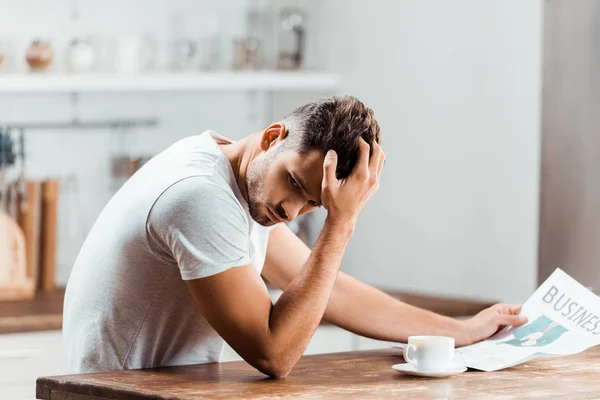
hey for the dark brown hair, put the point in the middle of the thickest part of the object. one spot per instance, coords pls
(333, 123)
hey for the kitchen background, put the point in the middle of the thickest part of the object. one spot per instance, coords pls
(84, 159)
(457, 95)
(457, 86)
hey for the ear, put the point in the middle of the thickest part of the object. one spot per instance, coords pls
(269, 137)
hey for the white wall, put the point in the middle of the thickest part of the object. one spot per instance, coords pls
(456, 88)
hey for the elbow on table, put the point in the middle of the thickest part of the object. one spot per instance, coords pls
(276, 367)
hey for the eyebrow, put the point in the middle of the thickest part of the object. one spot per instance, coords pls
(303, 186)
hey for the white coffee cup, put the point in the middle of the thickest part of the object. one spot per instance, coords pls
(429, 353)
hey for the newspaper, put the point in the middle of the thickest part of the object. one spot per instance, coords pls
(563, 319)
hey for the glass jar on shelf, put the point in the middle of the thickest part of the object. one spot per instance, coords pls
(249, 47)
(39, 55)
(183, 49)
(291, 38)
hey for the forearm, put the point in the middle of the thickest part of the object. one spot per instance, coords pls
(298, 311)
(366, 311)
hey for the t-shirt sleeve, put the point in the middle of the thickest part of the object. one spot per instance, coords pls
(200, 224)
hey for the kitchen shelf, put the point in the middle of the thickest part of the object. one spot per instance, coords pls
(169, 82)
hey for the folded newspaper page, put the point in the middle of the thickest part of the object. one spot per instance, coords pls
(563, 319)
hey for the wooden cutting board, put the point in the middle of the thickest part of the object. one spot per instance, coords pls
(14, 282)
(28, 218)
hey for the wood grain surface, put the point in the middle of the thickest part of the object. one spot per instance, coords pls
(362, 374)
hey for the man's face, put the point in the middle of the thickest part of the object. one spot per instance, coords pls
(284, 184)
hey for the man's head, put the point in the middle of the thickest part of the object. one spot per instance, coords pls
(284, 180)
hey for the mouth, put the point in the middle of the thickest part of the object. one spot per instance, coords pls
(272, 216)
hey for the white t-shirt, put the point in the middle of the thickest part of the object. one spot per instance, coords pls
(180, 217)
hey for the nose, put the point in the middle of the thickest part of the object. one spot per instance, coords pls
(292, 208)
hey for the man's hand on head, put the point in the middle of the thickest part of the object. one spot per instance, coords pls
(344, 199)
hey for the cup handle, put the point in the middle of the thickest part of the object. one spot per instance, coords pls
(407, 357)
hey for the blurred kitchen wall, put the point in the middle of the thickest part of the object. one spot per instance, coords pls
(454, 84)
(456, 88)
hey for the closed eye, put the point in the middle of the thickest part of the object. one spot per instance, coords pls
(300, 188)
(293, 182)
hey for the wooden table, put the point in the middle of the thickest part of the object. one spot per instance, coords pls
(362, 374)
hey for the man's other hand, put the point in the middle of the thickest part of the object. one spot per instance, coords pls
(488, 322)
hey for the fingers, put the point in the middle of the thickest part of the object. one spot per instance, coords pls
(361, 169)
(381, 163)
(514, 309)
(380, 166)
(375, 159)
(514, 320)
(329, 167)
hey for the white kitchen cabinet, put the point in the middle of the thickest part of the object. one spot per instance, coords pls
(26, 356)
(363, 343)
(330, 339)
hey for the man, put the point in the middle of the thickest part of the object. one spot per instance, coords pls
(172, 267)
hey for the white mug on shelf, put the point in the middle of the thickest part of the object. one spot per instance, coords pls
(429, 353)
(134, 53)
(81, 55)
